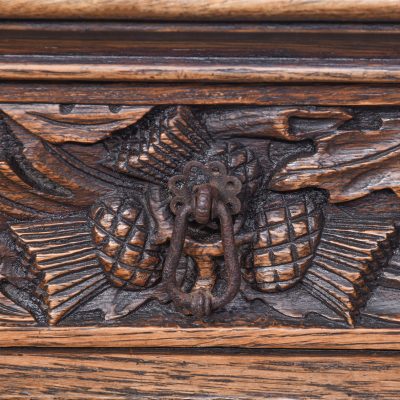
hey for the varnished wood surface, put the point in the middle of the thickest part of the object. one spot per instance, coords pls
(237, 70)
(246, 337)
(194, 93)
(275, 40)
(200, 52)
(200, 64)
(86, 125)
(216, 374)
(363, 10)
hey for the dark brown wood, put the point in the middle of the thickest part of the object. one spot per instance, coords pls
(238, 52)
(197, 94)
(267, 40)
(206, 69)
(117, 209)
(216, 185)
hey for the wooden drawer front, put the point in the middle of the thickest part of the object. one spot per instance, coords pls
(205, 186)
(90, 205)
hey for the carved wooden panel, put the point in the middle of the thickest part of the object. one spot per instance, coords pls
(199, 215)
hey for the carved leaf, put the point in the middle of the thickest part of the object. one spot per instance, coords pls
(350, 164)
(349, 255)
(66, 263)
(275, 122)
(73, 123)
(38, 176)
(302, 257)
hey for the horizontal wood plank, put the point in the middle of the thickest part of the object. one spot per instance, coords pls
(249, 337)
(196, 94)
(237, 70)
(129, 374)
(273, 40)
(200, 52)
(293, 10)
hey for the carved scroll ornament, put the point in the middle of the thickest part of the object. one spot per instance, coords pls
(112, 211)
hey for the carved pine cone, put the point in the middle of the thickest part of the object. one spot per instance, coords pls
(289, 229)
(240, 162)
(120, 231)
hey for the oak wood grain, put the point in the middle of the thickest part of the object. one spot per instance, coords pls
(132, 374)
(44, 247)
(197, 64)
(207, 69)
(364, 10)
(200, 52)
(246, 337)
(195, 93)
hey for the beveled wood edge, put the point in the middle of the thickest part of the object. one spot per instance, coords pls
(225, 10)
(243, 337)
(243, 71)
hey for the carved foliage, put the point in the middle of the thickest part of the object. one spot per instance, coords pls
(109, 208)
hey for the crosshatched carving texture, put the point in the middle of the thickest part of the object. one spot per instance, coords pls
(199, 216)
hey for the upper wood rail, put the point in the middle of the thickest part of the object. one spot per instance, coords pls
(199, 52)
(223, 10)
(209, 94)
(209, 69)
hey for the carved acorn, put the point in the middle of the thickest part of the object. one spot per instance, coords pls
(122, 233)
(289, 228)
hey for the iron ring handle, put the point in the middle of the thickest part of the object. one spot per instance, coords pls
(201, 302)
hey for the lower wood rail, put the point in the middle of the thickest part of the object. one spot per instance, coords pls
(135, 374)
(244, 337)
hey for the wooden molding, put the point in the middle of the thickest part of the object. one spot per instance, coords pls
(289, 10)
(130, 93)
(206, 70)
(246, 337)
(182, 52)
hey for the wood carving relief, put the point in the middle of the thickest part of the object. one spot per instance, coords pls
(199, 216)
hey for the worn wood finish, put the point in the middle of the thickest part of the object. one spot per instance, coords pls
(130, 374)
(92, 197)
(208, 52)
(198, 94)
(213, 185)
(366, 10)
(205, 337)
(207, 69)
(275, 40)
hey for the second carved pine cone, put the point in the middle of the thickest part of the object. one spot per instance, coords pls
(289, 229)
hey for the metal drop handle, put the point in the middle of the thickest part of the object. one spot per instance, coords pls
(202, 302)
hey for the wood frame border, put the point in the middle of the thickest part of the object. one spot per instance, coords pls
(288, 10)
(205, 70)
